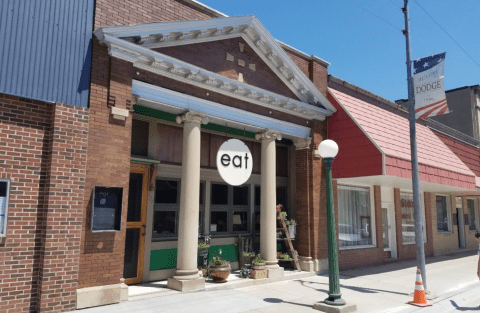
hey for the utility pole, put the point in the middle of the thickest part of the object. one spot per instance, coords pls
(413, 147)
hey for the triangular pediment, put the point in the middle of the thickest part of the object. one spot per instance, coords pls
(232, 58)
(143, 44)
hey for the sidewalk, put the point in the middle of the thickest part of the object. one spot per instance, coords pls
(383, 288)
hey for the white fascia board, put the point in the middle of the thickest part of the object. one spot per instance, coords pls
(170, 67)
(248, 27)
(161, 96)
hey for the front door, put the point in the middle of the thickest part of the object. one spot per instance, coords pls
(388, 220)
(136, 223)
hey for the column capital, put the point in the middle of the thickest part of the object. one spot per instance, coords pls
(192, 117)
(302, 143)
(268, 134)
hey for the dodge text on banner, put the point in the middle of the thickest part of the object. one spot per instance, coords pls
(430, 97)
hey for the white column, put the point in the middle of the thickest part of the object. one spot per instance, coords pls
(268, 191)
(186, 275)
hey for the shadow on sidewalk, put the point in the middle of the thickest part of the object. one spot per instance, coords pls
(277, 301)
(359, 289)
(464, 308)
(395, 266)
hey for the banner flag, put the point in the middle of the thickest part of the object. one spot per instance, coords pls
(430, 99)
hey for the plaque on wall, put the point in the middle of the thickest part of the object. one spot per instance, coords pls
(106, 208)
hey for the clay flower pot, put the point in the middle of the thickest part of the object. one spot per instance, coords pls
(220, 273)
(258, 266)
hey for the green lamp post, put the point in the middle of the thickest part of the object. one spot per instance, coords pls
(328, 149)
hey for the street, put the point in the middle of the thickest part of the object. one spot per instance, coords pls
(385, 288)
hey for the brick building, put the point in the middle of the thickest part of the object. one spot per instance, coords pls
(99, 184)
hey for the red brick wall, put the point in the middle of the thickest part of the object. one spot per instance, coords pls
(42, 148)
(468, 154)
(365, 257)
(362, 158)
(212, 56)
(311, 201)
(101, 255)
(125, 12)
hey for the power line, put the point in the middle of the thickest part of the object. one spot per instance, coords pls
(398, 6)
(446, 33)
(375, 15)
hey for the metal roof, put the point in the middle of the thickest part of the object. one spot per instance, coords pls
(46, 49)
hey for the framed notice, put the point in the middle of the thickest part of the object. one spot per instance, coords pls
(106, 209)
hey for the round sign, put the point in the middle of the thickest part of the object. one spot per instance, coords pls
(234, 162)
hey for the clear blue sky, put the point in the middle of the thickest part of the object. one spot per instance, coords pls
(365, 50)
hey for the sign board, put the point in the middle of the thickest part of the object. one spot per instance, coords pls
(234, 162)
(106, 209)
(429, 90)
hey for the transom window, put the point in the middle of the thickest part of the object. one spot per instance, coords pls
(354, 216)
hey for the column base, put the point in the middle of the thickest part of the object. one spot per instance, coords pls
(322, 306)
(186, 285)
(306, 264)
(274, 272)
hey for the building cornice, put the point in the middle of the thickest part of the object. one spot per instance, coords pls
(135, 43)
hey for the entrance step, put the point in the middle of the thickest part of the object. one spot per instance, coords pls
(159, 288)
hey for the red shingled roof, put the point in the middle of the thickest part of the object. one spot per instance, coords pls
(391, 133)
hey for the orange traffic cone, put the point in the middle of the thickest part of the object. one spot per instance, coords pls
(419, 298)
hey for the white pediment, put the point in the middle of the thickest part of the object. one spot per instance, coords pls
(136, 43)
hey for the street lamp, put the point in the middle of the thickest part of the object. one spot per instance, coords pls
(328, 150)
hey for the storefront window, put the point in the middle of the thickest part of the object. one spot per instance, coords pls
(408, 219)
(472, 216)
(443, 211)
(354, 216)
(167, 206)
(229, 210)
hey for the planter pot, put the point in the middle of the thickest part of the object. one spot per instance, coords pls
(292, 229)
(258, 266)
(220, 273)
(247, 259)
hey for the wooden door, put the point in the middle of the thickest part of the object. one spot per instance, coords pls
(136, 224)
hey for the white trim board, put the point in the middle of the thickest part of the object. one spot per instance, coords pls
(175, 102)
(134, 44)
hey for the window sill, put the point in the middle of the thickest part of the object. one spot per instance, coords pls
(444, 232)
(357, 247)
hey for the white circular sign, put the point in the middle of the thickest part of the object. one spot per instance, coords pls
(234, 162)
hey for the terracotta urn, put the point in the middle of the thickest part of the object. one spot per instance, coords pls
(258, 266)
(220, 273)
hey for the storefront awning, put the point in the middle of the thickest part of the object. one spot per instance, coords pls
(376, 142)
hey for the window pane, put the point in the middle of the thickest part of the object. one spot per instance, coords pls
(471, 214)
(2, 222)
(135, 197)
(140, 130)
(442, 217)
(408, 218)
(164, 223)
(240, 195)
(166, 191)
(354, 227)
(202, 194)
(257, 221)
(282, 198)
(257, 195)
(218, 222)
(240, 220)
(131, 253)
(3, 189)
(219, 194)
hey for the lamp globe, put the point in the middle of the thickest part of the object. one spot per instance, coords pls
(328, 149)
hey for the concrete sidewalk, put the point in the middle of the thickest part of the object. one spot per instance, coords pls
(383, 288)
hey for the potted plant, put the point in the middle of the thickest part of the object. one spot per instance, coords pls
(219, 270)
(244, 272)
(247, 257)
(292, 228)
(284, 256)
(258, 263)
